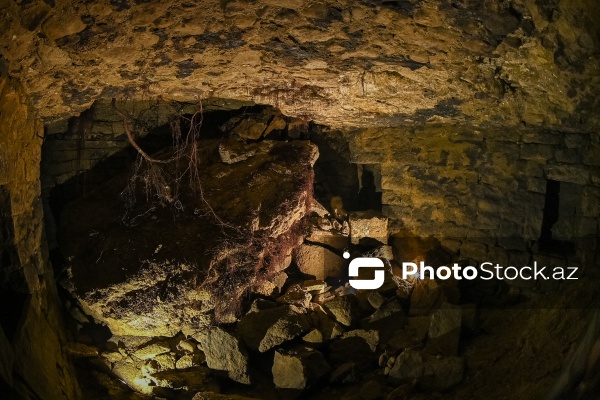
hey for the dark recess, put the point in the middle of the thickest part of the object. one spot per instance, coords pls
(551, 215)
(13, 288)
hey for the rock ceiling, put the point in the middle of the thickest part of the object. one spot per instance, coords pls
(342, 63)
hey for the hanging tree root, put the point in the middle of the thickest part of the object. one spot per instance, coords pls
(156, 179)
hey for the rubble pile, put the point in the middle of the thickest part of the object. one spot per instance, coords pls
(315, 330)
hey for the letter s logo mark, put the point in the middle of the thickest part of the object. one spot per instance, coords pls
(366, 262)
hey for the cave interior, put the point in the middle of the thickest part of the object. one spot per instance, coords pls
(183, 187)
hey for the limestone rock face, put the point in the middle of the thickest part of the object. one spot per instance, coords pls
(348, 63)
(33, 341)
(145, 270)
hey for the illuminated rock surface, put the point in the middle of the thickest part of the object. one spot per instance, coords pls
(340, 63)
(144, 274)
(461, 120)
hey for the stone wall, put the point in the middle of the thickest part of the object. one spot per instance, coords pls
(32, 361)
(79, 144)
(480, 189)
(80, 153)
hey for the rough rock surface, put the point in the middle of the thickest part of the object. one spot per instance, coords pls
(33, 335)
(368, 224)
(432, 373)
(225, 353)
(268, 328)
(148, 274)
(298, 369)
(343, 63)
(319, 262)
(343, 309)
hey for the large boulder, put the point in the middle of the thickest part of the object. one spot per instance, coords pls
(225, 353)
(154, 268)
(320, 261)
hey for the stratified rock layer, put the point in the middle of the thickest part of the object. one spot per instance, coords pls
(158, 269)
(352, 63)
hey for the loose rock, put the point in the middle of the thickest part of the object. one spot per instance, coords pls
(223, 352)
(368, 224)
(299, 368)
(268, 328)
(343, 308)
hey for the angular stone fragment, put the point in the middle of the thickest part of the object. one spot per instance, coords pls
(224, 352)
(298, 369)
(296, 295)
(329, 239)
(314, 285)
(112, 356)
(133, 377)
(314, 336)
(164, 362)
(186, 361)
(152, 351)
(323, 298)
(320, 262)
(375, 299)
(250, 129)
(368, 224)
(187, 345)
(268, 328)
(277, 125)
(343, 308)
(371, 337)
(329, 328)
